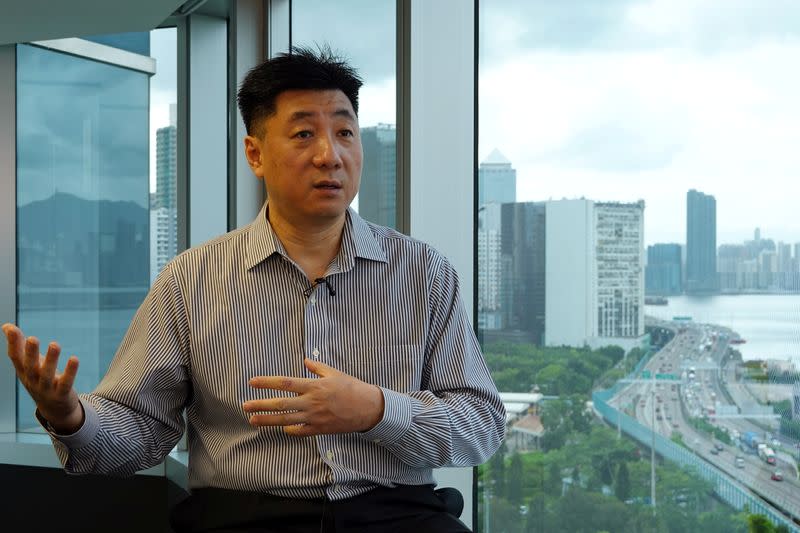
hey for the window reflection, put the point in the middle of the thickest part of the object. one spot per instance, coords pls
(82, 206)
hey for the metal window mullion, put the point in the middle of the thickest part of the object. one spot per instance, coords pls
(247, 43)
(8, 227)
(438, 116)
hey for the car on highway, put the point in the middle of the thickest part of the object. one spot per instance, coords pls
(777, 475)
(714, 451)
(718, 446)
(739, 461)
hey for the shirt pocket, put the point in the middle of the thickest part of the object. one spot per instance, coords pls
(395, 367)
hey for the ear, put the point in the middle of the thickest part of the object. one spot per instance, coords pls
(253, 151)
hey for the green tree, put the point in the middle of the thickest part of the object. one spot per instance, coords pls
(553, 479)
(516, 477)
(539, 519)
(758, 523)
(497, 471)
(622, 486)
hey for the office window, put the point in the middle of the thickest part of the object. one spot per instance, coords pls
(318, 22)
(638, 273)
(163, 150)
(84, 218)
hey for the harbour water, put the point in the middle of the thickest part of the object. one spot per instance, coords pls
(770, 323)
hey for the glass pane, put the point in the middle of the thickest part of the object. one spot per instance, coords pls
(373, 55)
(82, 207)
(639, 264)
(138, 43)
(163, 150)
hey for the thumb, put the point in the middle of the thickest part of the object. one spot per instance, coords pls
(319, 368)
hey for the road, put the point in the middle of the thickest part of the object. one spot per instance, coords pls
(698, 360)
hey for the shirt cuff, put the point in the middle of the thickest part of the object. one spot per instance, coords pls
(82, 437)
(398, 411)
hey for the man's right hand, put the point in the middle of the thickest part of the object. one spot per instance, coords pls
(55, 398)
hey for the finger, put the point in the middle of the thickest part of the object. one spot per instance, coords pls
(319, 368)
(298, 385)
(50, 363)
(67, 378)
(301, 430)
(31, 361)
(295, 403)
(16, 342)
(281, 419)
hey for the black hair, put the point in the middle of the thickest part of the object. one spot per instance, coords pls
(300, 68)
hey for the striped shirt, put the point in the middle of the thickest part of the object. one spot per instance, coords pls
(238, 307)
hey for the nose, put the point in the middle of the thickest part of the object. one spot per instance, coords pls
(327, 153)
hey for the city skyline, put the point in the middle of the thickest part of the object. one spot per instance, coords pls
(636, 101)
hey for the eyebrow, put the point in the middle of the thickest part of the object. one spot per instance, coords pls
(301, 115)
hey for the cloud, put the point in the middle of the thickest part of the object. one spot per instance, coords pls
(83, 128)
(362, 30)
(710, 26)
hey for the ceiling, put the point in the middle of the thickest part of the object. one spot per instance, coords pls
(36, 20)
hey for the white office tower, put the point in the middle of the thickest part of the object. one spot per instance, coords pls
(570, 279)
(595, 274)
(489, 267)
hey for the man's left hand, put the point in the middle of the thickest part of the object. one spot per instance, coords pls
(334, 403)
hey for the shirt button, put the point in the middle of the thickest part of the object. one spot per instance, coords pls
(313, 300)
(315, 353)
(329, 455)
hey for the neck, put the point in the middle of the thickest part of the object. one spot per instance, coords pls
(312, 246)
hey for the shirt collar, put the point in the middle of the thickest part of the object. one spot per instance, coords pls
(357, 241)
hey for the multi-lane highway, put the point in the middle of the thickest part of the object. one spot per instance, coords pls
(694, 373)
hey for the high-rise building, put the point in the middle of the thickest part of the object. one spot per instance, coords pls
(490, 272)
(797, 257)
(663, 276)
(523, 262)
(167, 163)
(164, 209)
(595, 274)
(701, 243)
(378, 192)
(571, 265)
(497, 180)
(620, 271)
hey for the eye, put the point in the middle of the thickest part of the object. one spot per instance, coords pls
(346, 133)
(305, 134)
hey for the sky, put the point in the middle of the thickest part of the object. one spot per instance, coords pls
(612, 100)
(623, 100)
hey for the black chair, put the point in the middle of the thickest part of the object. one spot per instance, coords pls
(453, 500)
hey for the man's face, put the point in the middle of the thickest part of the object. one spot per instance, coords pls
(309, 156)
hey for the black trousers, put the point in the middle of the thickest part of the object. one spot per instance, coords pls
(405, 508)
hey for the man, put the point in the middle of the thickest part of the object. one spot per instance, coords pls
(325, 364)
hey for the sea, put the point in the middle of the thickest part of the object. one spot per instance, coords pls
(769, 323)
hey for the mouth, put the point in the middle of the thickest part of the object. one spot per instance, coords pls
(328, 185)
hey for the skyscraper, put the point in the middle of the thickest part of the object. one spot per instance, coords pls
(620, 271)
(490, 272)
(523, 262)
(663, 272)
(378, 192)
(497, 180)
(164, 212)
(166, 163)
(595, 274)
(701, 243)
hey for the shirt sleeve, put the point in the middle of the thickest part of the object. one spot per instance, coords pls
(134, 417)
(457, 418)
